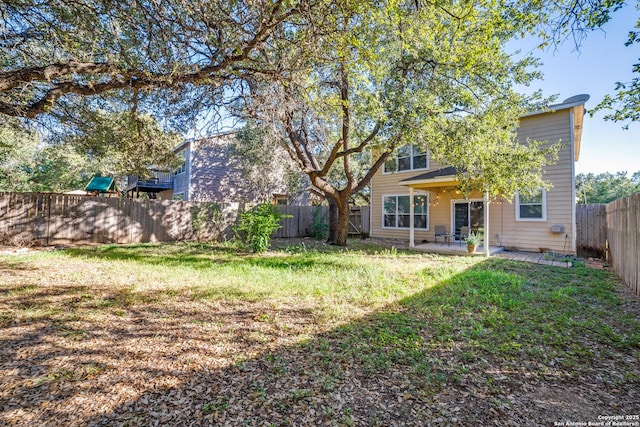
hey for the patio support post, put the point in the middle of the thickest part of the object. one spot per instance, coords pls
(412, 242)
(486, 224)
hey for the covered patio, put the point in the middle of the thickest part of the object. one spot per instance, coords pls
(455, 248)
(438, 181)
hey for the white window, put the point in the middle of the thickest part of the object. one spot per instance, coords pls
(531, 206)
(406, 158)
(396, 211)
(183, 166)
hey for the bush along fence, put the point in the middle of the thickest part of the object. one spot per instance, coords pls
(52, 219)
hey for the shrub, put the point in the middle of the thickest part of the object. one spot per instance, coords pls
(205, 217)
(255, 227)
(320, 226)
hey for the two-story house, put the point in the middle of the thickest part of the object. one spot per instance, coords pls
(544, 221)
(210, 172)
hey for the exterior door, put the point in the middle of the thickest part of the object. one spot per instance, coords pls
(468, 213)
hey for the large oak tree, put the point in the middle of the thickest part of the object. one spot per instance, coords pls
(380, 75)
(329, 79)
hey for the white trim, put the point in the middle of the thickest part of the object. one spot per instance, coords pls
(573, 184)
(412, 220)
(405, 171)
(385, 172)
(428, 212)
(371, 232)
(487, 233)
(446, 178)
(544, 208)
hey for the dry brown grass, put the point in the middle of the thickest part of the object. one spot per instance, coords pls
(117, 337)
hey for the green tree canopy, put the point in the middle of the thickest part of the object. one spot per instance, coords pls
(606, 187)
(162, 52)
(18, 146)
(382, 75)
(103, 143)
(329, 79)
(625, 102)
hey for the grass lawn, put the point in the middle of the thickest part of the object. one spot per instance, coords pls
(307, 334)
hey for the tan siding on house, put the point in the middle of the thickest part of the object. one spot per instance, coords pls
(504, 230)
(536, 235)
(387, 185)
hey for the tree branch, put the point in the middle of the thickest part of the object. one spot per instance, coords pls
(62, 78)
(376, 166)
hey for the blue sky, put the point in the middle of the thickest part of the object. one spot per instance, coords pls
(602, 60)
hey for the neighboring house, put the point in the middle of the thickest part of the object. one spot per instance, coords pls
(209, 173)
(545, 221)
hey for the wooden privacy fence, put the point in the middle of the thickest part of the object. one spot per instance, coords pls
(51, 219)
(612, 230)
(302, 217)
(591, 229)
(48, 219)
(623, 234)
(359, 220)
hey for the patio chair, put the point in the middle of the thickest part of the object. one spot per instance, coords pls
(462, 234)
(441, 231)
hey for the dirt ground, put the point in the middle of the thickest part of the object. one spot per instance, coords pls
(202, 363)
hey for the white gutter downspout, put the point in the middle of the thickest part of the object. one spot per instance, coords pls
(573, 183)
(412, 243)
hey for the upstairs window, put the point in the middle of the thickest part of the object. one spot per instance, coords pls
(531, 206)
(406, 158)
(183, 165)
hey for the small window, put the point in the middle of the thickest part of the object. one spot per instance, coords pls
(406, 158)
(531, 206)
(183, 166)
(396, 211)
(419, 158)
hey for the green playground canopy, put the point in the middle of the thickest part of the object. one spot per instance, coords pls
(102, 184)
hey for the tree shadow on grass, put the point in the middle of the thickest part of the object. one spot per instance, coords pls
(10, 266)
(500, 343)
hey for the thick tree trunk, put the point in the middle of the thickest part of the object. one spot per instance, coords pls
(343, 224)
(338, 221)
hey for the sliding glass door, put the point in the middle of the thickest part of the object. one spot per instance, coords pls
(468, 213)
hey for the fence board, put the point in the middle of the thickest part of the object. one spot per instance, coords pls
(623, 232)
(591, 229)
(52, 219)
